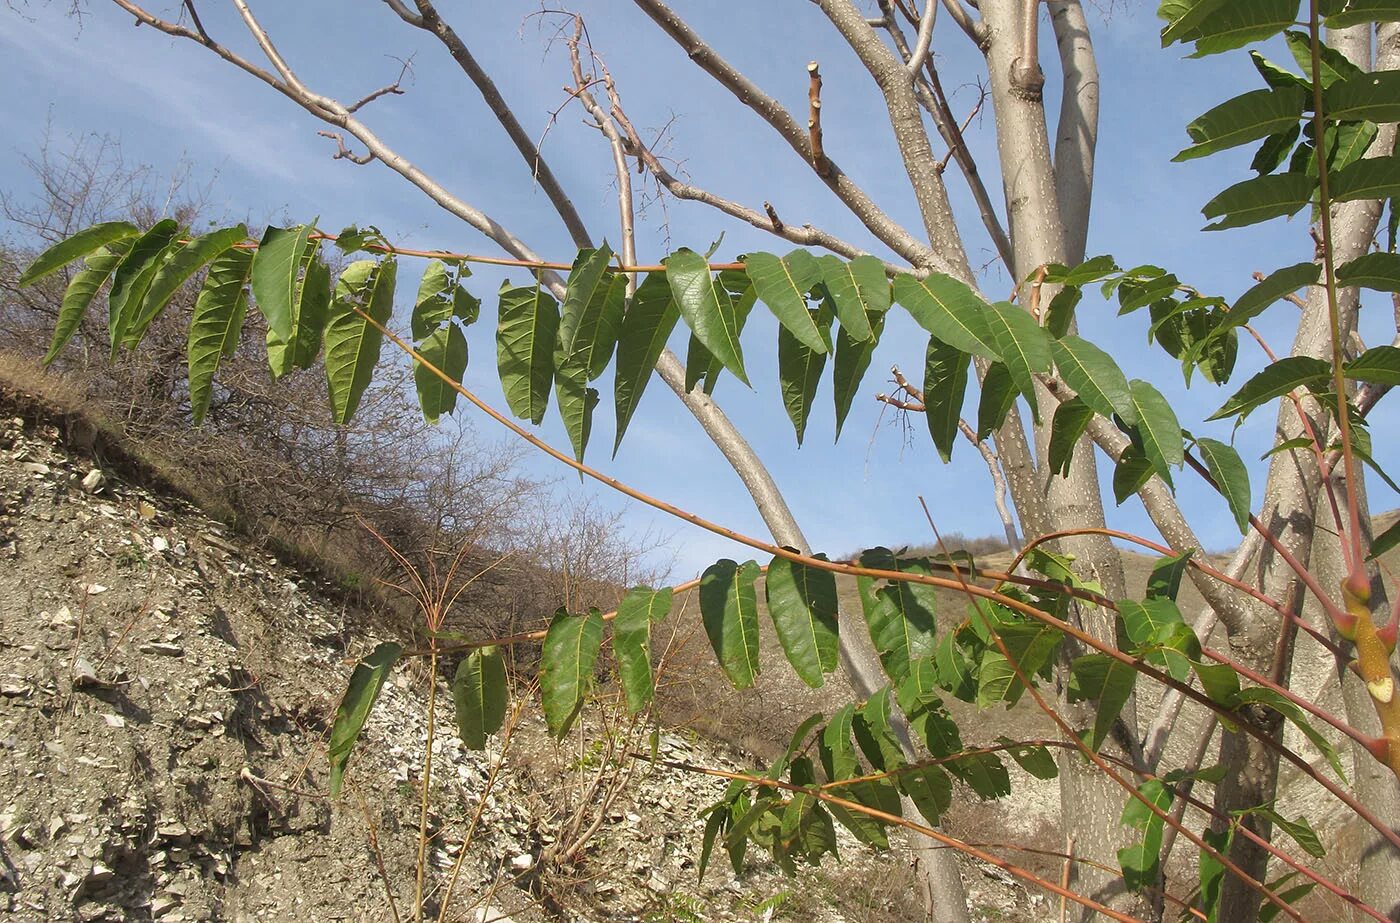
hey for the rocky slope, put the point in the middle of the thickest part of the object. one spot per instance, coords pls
(165, 694)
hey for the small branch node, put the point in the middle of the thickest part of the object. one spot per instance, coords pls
(342, 152)
(814, 119)
(773, 217)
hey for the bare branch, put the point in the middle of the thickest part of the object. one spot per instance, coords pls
(999, 488)
(343, 152)
(975, 30)
(814, 119)
(924, 40)
(1076, 136)
(194, 18)
(393, 89)
(889, 231)
(429, 21)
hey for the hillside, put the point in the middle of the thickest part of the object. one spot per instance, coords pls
(165, 692)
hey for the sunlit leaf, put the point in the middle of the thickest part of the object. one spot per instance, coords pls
(1107, 681)
(1230, 476)
(632, 641)
(782, 284)
(1259, 199)
(480, 695)
(949, 310)
(859, 289)
(571, 648)
(707, 308)
(649, 322)
(945, 385)
(444, 349)
(729, 609)
(1095, 377)
(133, 276)
(352, 343)
(1248, 117)
(1276, 380)
(802, 603)
(525, 335)
(81, 244)
(217, 322)
(83, 288)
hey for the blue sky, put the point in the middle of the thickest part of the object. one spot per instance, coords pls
(170, 102)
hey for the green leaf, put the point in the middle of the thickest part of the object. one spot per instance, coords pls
(1271, 698)
(945, 385)
(1279, 283)
(352, 343)
(1030, 647)
(1249, 117)
(1300, 831)
(1259, 199)
(1379, 364)
(1378, 271)
(277, 270)
(1384, 542)
(85, 285)
(1365, 97)
(1240, 22)
(729, 609)
(1142, 861)
(309, 312)
(1094, 269)
(527, 326)
(1219, 681)
(441, 297)
(1182, 17)
(929, 788)
(802, 603)
(1024, 347)
(859, 289)
(1109, 682)
(1335, 65)
(81, 244)
(1367, 178)
(1095, 377)
(851, 363)
(641, 338)
(782, 284)
(1144, 620)
(592, 312)
(900, 615)
(446, 349)
(1231, 477)
(576, 402)
(1364, 11)
(480, 695)
(998, 396)
(365, 682)
(1212, 870)
(1274, 150)
(949, 310)
(874, 733)
(1158, 428)
(1276, 380)
(1070, 420)
(800, 371)
(984, 773)
(133, 278)
(1165, 579)
(571, 648)
(175, 271)
(1276, 76)
(1130, 474)
(700, 364)
(707, 308)
(1034, 759)
(1059, 317)
(216, 325)
(632, 641)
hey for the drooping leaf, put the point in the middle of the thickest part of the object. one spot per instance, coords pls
(1272, 698)
(175, 272)
(352, 343)
(480, 696)
(875, 734)
(1165, 579)
(945, 385)
(802, 603)
(632, 641)
(445, 349)
(1334, 64)
(707, 308)
(1066, 427)
(998, 397)
(365, 682)
(592, 312)
(1059, 317)
(133, 278)
(1248, 117)
(217, 322)
(729, 609)
(949, 310)
(1030, 647)
(1384, 542)
(1379, 271)
(1276, 76)
(901, 616)
(441, 297)
(1107, 681)
(649, 322)
(1276, 380)
(1142, 861)
(782, 284)
(1358, 12)
(570, 652)
(1024, 347)
(1094, 376)
(310, 309)
(1034, 759)
(800, 370)
(576, 402)
(277, 271)
(81, 244)
(1143, 620)
(1219, 681)
(85, 285)
(1130, 474)
(851, 363)
(859, 289)
(1272, 153)
(1365, 97)
(525, 335)
(1259, 199)
(1158, 428)
(1230, 476)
